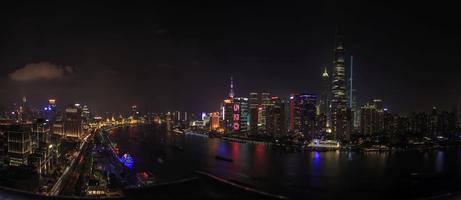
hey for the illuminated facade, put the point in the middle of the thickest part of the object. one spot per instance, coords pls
(73, 123)
(339, 108)
(41, 154)
(214, 121)
(19, 144)
(240, 116)
(324, 103)
(303, 114)
(258, 103)
(372, 118)
(294, 117)
(228, 115)
(276, 117)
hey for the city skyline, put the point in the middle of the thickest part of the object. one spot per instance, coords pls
(125, 58)
(228, 100)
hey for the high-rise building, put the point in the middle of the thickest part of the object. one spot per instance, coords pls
(227, 109)
(303, 114)
(324, 103)
(58, 125)
(73, 123)
(293, 112)
(259, 101)
(372, 118)
(214, 121)
(339, 112)
(240, 116)
(276, 117)
(41, 154)
(19, 147)
(368, 119)
(228, 115)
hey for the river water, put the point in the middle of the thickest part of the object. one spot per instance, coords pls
(323, 175)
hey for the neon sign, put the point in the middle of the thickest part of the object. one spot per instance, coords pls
(236, 125)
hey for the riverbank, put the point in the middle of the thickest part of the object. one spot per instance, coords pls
(297, 147)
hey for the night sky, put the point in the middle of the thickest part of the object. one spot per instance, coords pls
(180, 56)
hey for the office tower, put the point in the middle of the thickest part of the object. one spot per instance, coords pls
(372, 118)
(240, 116)
(324, 103)
(339, 112)
(41, 154)
(303, 114)
(58, 125)
(73, 125)
(19, 147)
(214, 121)
(258, 111)
(254, 106)
(228, 115)
(42, 129)
(308, 115)
(276, 117)
(368, 117)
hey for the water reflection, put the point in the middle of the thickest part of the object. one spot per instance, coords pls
(259, 156)
(286, 173)
(222, 149)
(439, 161)
(316, 164)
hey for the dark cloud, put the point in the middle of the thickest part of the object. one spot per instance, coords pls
(40, 71)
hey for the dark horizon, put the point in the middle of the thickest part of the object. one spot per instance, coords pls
(180, 57)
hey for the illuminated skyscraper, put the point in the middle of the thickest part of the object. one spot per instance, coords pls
(19, 144)
(259, 101)
(214, 121)
(73, 123)
(372, 118)
(276, 117)
(240, 116)
(303, 114)
(339, 108)
(228, 115)
(41, 151)
(324, 103)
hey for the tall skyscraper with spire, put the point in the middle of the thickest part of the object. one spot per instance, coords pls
(339, 108)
